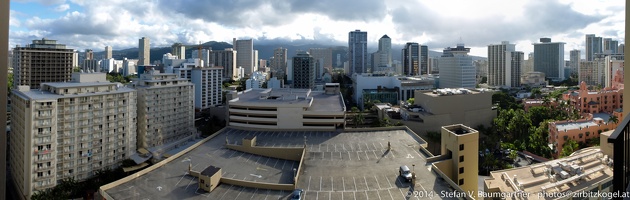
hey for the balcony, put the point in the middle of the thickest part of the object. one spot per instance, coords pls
(620, 139)
(45, 107)
(43, 133)
(43, 116)
(43, 152)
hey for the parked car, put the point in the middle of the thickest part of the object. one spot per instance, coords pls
(405, 173)
(298, 194)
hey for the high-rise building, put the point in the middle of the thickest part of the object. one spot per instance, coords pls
(574, 60)
(322, 53)
(42, 61)
(205, 56)
(411, 59)
(255, 61)
(207, 81)
(621, 48)
(179, 50)
(144, 51)
(279, 63)
(424, 59)
(593, 46)
(456, 68)
(382, 59)
(549, 58)
(357, 52)
(166, 110)
(69, 130)
(244, 55)
(129, 66)
(226, 59)
(504, 65)
(434, 65)
(613, 72)
(339, 56)
(108, 52)
(303, 71)
(528, 65)
(592, 72)
(610, 46)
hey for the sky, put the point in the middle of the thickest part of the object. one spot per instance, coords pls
(94, 24)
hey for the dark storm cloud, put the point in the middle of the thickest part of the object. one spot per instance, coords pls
(253, 13)
(540, 19)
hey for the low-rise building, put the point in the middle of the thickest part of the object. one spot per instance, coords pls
(579, 130)
(533, 79)
(432, 110)
(405, 85)
(582, 175)
(288, 109)
(69, 130)
(589, 101)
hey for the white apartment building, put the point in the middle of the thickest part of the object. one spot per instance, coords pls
(207, 81)
(129, 67)
(504, 65)
(613, 66)
(165, 111)
(69, 130)
(256, 81)
(592, 72)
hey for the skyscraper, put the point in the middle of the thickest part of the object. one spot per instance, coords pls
(456, 68)
(303, 71)
(108, 52)
(610, 46)
(279, 63)
(357, 52)
(424, 59)
(593, 46)
(411, 59)
(382, 58)
(144, 51)
(179, 50)
(504, 65)
(574, 60)
(42, 61)
(226, 59)
(322, 53)
(621, 48)
(549, 58)
(244, 55)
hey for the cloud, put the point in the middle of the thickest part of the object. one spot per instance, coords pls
(538, 19)
(14, 18)
(62, 7)
(43, 2)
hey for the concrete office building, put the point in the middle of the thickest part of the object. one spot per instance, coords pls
(245, 55)
(593, 46)
(108, 52)
(129, 66)
(144, 51)
(406, 86)
(382, 58)
(303, 71)
(504, 65)
(357, 52)
(69, 130)
(411, 59)
(574, 60)
(207, 81)
(40, 62)
(287, 109)
(227, 59)
(424, 59)
(456, 69)
(434, 65)
(549, 58)
(165, 111)
(459, 159)
(179, 50)
(449, 106)
(528, 65)
(90, 65)
(279, 63)
(205, 57)
(322, 53)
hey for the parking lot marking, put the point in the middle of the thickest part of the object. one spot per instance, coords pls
(390, 194)
(267, 161)
(343, 146)
(332, 185)
(366, 185)
(254, 193)
(285, 134)
(180, 179)
(320, 147)
(349, 156)
(322, 155)
(374, 146)
(309, 183)
(232, 153)
(355, 195)
(258, 159)
(388, 181)
(320, 183)
(358, 155)
(283, 163)
(340, 157)
(343, 182)
(189, 183)
(366, 155)
(355, 185)
(327, 147)
(227, 191)
(268, 191)
(379, 194)
(376, 156)
(359, 146)
(274, 165)
(335, 147)
(330, 195)
(382, 145)
(379, 185)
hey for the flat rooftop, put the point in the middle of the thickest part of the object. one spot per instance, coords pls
(337, 165)
(36, 94)
(583, 124)
(455, 91)
(319, 100)
(534, 179)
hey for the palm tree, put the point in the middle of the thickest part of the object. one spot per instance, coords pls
(613, 119)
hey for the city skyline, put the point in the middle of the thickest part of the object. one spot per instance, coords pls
(168, 22)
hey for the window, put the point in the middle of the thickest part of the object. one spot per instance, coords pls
(461, 170)
(461, 158)
(461, 147)
(461, 181)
